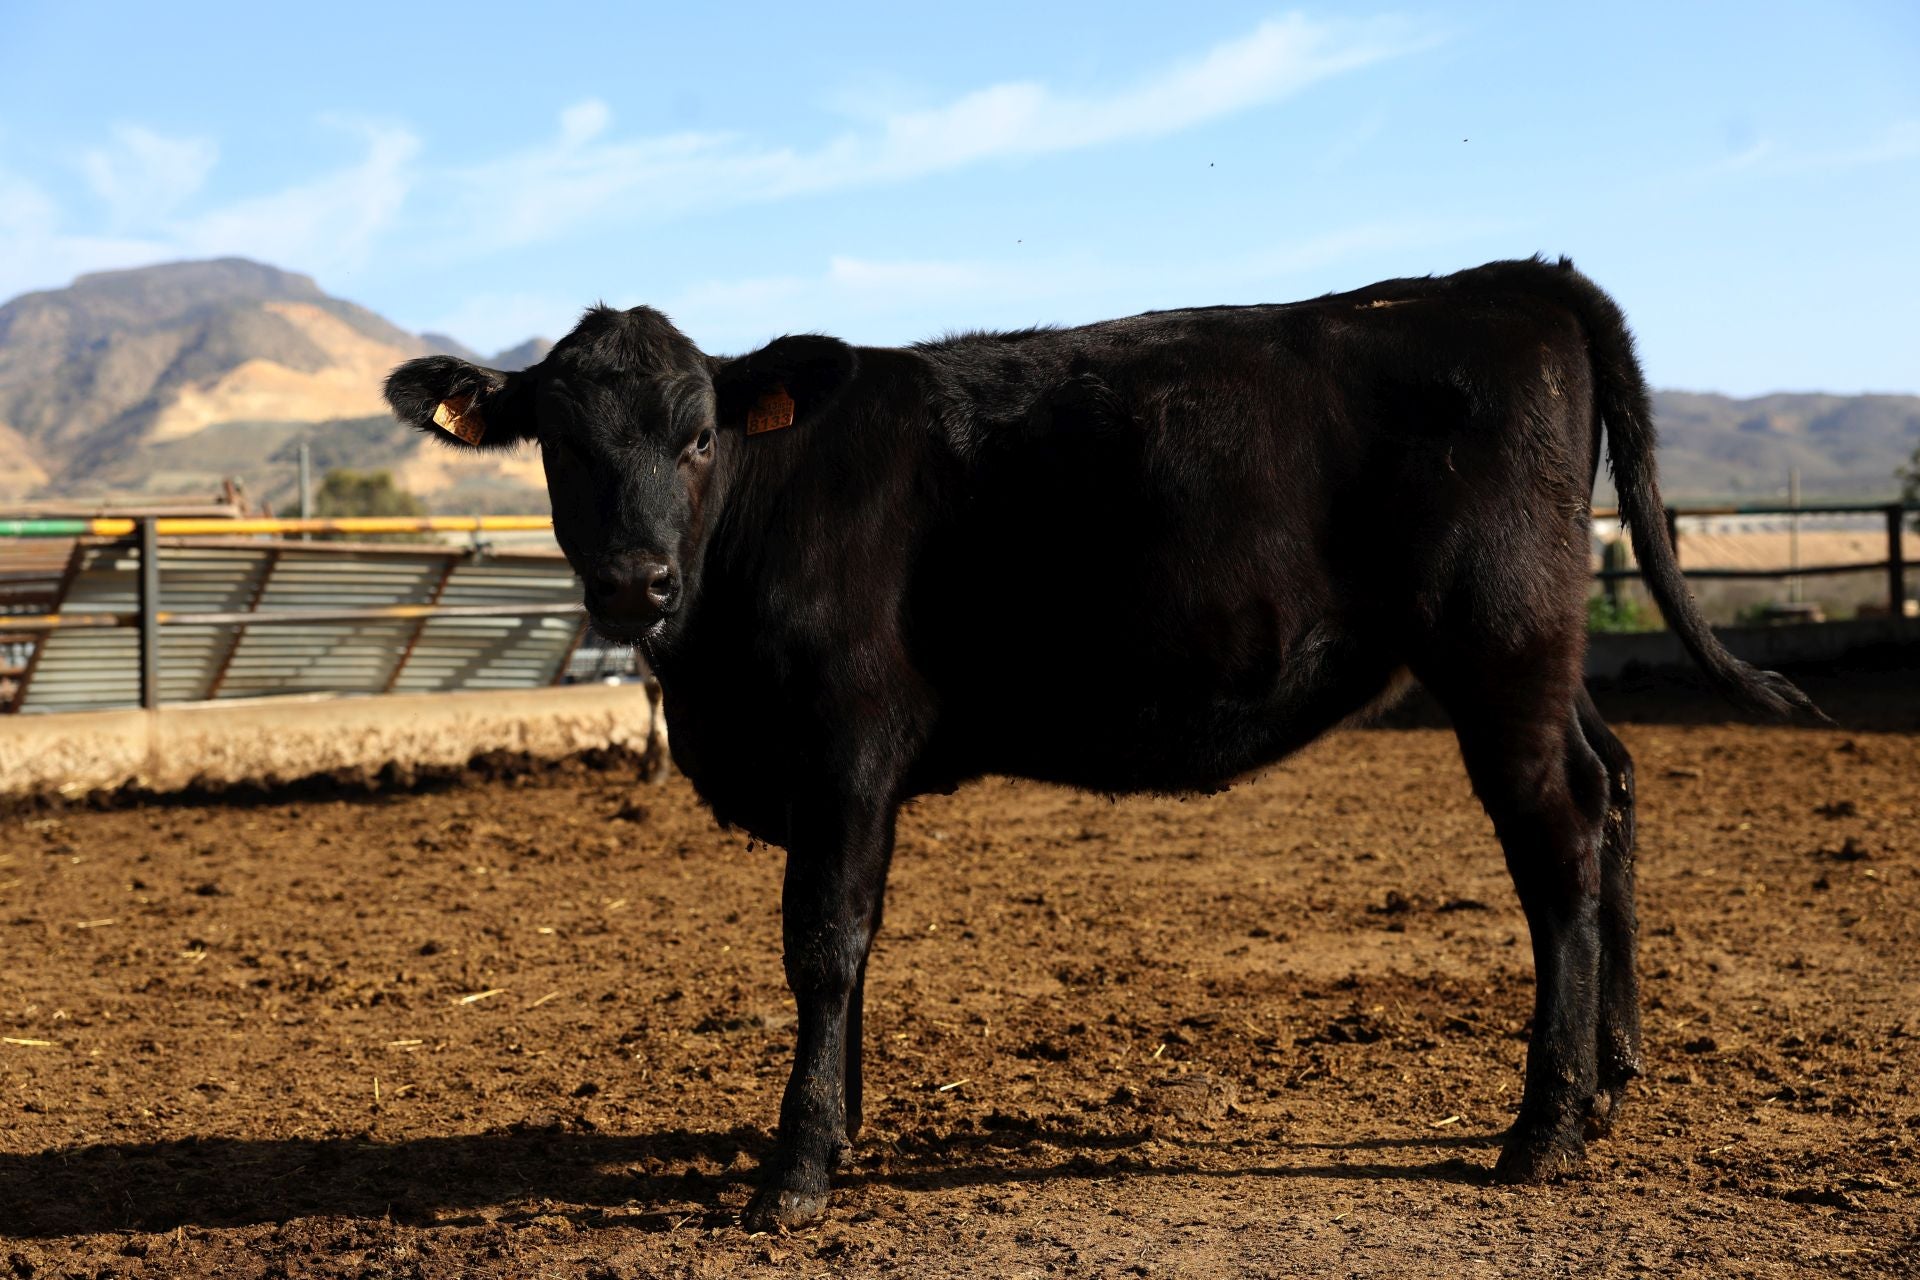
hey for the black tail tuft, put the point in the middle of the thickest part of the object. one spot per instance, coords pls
(1781, 697)
(1627, 412)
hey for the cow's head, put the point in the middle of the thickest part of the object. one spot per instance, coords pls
(640, 434)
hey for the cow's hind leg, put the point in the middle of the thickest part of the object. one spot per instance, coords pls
(1546, 790)
(1618, 1036)
(852, 1071)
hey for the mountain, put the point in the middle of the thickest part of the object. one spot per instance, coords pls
(162, 381)
(530, 352)
(443, 345)
(1846, 447)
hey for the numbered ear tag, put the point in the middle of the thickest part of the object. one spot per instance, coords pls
(774, 412)
(458, 417)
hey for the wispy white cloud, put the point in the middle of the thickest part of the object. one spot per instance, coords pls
(900, 300)
(492, 321)
(26, 211)
(391, 200)
(328, 222)
(144, 174)
(1749, 156)
(584, 174)
(1311, 254)
(1898, 141)
(880, 300)
(331, 222)
(36, 251)
(1278, 58)
(582, 122)
(1351, 141)
(895, 300)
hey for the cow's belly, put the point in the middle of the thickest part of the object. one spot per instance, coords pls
(1150, 730)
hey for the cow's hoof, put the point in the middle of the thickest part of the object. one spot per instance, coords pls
(1534, 1156)
(780, 1209)
(1616, 1073)
(1602, 1111)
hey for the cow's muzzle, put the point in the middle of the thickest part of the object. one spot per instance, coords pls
(631, 595)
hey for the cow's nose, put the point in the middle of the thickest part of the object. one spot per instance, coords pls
(662, 586)
(634, 593)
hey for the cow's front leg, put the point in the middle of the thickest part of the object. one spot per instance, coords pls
(836, 874)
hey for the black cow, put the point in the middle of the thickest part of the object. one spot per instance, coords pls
(1149, 554)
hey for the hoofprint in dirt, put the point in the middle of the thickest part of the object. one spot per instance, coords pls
(538, 1027)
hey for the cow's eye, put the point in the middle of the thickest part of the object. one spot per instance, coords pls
(703, 443)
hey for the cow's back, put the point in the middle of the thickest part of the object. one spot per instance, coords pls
(1195, 540)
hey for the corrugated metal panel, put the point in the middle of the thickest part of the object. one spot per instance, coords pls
(31, 571)
(89, 669)
(490, 653)
(84, 670)
(333, 657)
(598, 658)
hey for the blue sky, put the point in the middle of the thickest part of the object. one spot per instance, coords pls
(1745, 178)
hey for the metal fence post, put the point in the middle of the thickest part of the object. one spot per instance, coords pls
(1613, 562)
(1896, 562)
(149, 613)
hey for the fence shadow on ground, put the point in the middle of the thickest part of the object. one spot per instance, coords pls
(526, 1172)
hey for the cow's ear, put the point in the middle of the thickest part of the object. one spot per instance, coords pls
(463, 404)
(785, 383)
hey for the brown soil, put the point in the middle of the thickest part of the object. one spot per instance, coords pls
(535, 1026)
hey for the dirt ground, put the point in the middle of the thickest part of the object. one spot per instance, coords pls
(536, 1026)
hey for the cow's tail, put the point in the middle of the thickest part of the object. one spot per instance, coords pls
(1620, 394)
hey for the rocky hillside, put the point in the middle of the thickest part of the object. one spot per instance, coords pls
(164, 380)
(1846, 447)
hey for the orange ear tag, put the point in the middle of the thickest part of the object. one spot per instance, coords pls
(774, 412)
(457, 417)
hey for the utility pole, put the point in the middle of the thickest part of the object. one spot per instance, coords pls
(1793, 535)
(306, 484)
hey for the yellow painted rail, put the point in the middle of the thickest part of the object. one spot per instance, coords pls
(290, 618)
(190, 526)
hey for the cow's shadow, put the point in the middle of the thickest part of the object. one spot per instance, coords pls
(657, 1180)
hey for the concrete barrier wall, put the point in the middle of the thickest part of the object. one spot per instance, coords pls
(271, 740)
(1611, 654)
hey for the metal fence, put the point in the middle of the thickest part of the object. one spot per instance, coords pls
(1895, 515)
(122, 612)
(138, 612)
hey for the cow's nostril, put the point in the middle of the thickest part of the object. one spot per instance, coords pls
(661, 587)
